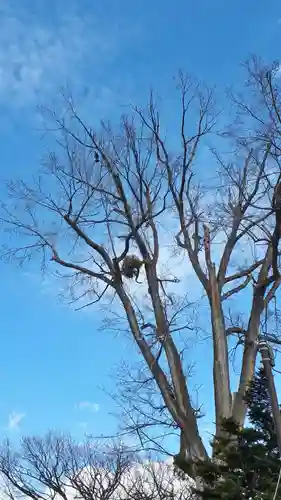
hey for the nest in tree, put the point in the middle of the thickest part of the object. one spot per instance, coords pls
(131, 266)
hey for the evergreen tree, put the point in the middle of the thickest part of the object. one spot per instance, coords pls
(246, 462)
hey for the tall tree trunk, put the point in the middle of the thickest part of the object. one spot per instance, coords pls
(189, 429)
(222, 391)
(239, 408)
(176, 398)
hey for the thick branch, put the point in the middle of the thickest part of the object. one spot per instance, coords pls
(244, 272)
(236, 289)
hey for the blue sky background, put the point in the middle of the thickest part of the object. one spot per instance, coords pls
(110, 53)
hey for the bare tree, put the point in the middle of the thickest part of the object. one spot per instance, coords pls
(55, 467)
(109, 190)
(157, 480)
(240, 213)
(107, 194)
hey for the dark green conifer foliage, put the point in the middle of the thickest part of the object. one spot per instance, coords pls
(245, 463)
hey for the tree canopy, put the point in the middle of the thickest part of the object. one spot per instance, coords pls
(106, 193)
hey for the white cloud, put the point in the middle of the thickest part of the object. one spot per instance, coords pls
(277, 71)
(88, 405)
(36, 56)
(15, 420)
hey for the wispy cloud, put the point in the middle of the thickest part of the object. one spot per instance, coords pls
(37, 56)
(88, 405)
(15, 420)
(83, 425)
(278, 71)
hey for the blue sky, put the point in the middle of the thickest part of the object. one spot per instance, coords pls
(110, 53)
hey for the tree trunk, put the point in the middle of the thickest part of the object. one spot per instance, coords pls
(196, 451)
(177, 400)
(222, 391)
(239, 408)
